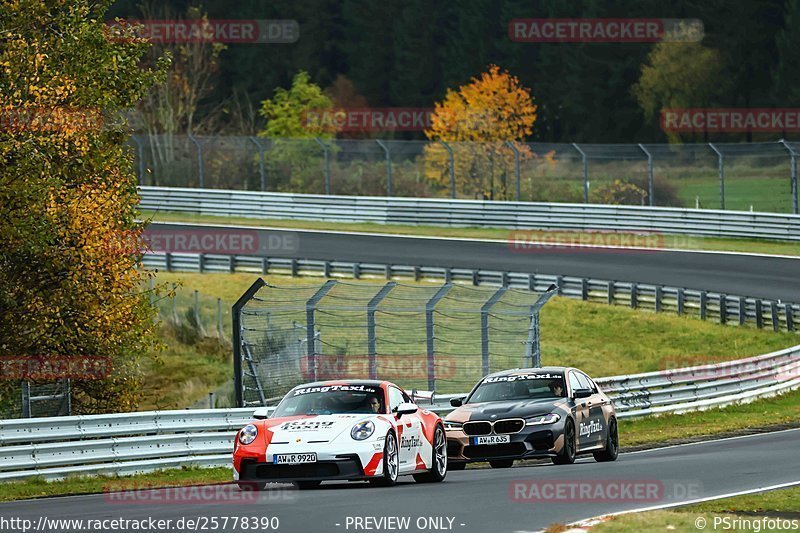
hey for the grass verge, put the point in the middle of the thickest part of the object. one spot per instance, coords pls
(662, 241)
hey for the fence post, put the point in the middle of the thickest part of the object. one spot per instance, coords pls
(585, 173)
(200, 168)
(650, 184)
(533, 352)
(388, 167)
(311, 306)
(372, 344)
(787, 308)
(430, 306)
(793, 164)
(516, 166)
(452, 169)
(26, 399)
(326, 165)
(236, 335)
(485, 327)
(140, 157)
(261, 171)
(721, 164)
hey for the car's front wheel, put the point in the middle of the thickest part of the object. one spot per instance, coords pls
(612, 444)
(391, 462)
(567, 454)
(438, 459)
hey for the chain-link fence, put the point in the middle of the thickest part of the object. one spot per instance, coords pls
(439, 338)
(737, 176)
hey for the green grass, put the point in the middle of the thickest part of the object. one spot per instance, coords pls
(38, 487)
(661, 241)
(764, 194)
(785, 503)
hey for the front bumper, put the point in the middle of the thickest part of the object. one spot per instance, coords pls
(530, 443)
(346, 467)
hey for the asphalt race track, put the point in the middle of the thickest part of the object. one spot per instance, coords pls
(768, 277)
(482, 500)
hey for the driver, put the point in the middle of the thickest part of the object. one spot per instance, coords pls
(556, 387)
(374, 404)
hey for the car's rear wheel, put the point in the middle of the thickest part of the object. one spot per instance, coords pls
(391, 462)
(502, 463)
(612, 444)
(306, 485)
(438, 459)
(567, 454)
(252, 486)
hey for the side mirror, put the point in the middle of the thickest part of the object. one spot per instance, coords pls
(407, 409)
(262, 413)
(456, 402)
(581, 393)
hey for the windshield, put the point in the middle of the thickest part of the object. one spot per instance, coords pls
(331, 399)
(518, 387)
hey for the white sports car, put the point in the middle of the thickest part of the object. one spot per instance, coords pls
(341, 430)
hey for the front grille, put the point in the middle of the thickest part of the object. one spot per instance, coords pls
(270, 471)
(513, 425)
(494, 450)
(477, 428)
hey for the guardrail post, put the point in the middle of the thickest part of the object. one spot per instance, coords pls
(326, 165)
(293, 267)
(634, 295)
(311, 306)
(585, 172)
(201, 262)
(531, 282)
(485, 328)
(650, 184)
(236, 335)
(430, 306)
(504, 279)
(516, 166)
(417, 273)
(793, 164)
(139, 157)
(759, 314)
(723, 308)
(657, 297)
(265, 265)
(387, 271)
(776, 322)
(356, 270)
(610, 292)
(584, 289)
(721, 165)
(200, 165)
(452, 169)
(476, 280)
(787, 308)
(703, 305)
(448, 275)
(168, 261)
(388, 167)
(372, 343)
(742, 310)
(261, 171)
(559, 284)
(680, 301)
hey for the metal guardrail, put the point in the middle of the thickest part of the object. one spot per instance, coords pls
(724, 308)
(142, 442)
(465, 213)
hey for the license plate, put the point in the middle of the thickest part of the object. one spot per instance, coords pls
(294, 458)
(491, 439)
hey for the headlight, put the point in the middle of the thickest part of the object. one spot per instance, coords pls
(452, 426)
(248, 434)
(552, 418)
(362, 430)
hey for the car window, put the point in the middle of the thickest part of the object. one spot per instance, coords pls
(584, 381)
(518, 387)
(396, 397)
(574, 384)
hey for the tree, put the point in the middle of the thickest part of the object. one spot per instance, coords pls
(786, 75)
(678, 75)
(67, 193)
(490, 110)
